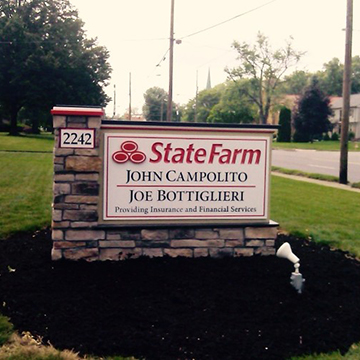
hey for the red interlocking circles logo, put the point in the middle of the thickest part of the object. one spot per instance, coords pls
(129, 152)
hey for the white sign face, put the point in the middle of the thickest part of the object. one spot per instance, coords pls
(180, 176)
(77, 138)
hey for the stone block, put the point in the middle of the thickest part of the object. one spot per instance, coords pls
(87, 152)
(59, 160)
(94, 122)
(117, 244)
(85, 188)
(261, 232)
(63, 151)
(64, 206)
(255, 243)
(191, 243)
(130, 234)
(82, 199)
(57, 235)
(179, 252)
(64, 177)
(89, 254)
(58, 168)
(234, 243)
(243, 252)
(74, 121)
(119, 254)
(60, 224)
(84, 235)
(80, 215)
(201, 252)
(59, 121)
(57, 215)
(61, 189)
(83, 164)
(153, 253)
(87, 177)
(56, 254)
(181, 233)
(270, 243)
(221, 253)
(265, 251)
(206, 234)
(83, 224)
(232, 234)
(68, 244)
(147, 234)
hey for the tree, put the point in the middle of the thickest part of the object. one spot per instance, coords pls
(311, 117)
(264, 68)
(284, 133)
(45, 59)
(233, 107)
(155, 107)
(198, 109)
(295, 83)
(331, 78)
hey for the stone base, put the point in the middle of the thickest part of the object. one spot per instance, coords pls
(120, 244)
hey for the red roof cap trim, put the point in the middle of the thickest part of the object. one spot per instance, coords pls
(77, 111)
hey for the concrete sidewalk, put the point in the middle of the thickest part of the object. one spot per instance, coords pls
(318, 182)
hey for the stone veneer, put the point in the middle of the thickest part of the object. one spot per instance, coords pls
(76, 233)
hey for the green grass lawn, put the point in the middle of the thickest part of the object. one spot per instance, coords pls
(25, 191)
(317, 145)
(323, 213)
(43, 142)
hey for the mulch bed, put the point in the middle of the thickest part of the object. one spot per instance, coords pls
(163, 308)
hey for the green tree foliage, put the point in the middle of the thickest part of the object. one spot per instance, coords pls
(198, 109)
(311, 117)
(225, 103)
(331, 78)
(155, 108)
(234, 106)
(284, 133)
(264, 68)
(46, 59)
(295, 83)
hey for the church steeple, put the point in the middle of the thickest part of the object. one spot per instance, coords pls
(208, 84)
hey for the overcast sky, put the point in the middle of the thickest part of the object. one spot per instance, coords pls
(136, 33)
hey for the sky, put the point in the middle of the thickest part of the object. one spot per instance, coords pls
(136, 34)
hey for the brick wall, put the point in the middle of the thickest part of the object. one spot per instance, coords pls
(77, 234)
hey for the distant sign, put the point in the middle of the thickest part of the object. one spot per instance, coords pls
(177, 174)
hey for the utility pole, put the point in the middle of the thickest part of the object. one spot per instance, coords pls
(343, 175)
(171, 63)
(129, 96)
(114, 110)
(196, 96)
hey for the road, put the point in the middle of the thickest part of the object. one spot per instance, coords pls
(320, 162)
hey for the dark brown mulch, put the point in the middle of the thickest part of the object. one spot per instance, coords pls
(241, 308)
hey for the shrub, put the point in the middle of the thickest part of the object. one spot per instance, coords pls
(284, 133)
(335, 136)
(351, 136)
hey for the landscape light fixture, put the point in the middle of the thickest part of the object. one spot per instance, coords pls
(296, 279)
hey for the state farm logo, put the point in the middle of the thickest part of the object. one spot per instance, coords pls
(129, 152)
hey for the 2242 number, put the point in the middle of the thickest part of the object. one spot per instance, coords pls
(77, 138)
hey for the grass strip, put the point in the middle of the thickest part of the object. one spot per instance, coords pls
(305, 174)
(25, 192)
(42, 143)
(324, 214)
(317, 145)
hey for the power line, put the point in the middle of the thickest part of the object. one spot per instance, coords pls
(228, 20)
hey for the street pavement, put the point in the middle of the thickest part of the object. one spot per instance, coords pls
(320, 162)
